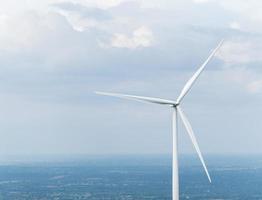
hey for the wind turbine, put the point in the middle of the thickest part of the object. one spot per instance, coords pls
(175, 105)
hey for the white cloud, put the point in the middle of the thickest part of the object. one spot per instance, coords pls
(201, 1)
(250, 9)
(141, 37)
(255, 86)
(79, 23)
(241, 51)
(20, 32)
(109, 3)
(235, 25)
(235, 52)
(104, 4)
(238, 56)
(247, 10)
(82, 17)
(243, 77)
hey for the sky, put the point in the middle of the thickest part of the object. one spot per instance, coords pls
(55, 53)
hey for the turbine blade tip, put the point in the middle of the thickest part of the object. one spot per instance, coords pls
(97, 92)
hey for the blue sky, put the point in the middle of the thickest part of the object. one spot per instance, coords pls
(55, 53)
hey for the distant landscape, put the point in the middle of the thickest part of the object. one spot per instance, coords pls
(129, 178)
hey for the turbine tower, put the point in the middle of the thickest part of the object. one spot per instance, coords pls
(175, 105)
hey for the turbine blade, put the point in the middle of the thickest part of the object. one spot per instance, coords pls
(193, 139)
(139, 98)
(192, 80)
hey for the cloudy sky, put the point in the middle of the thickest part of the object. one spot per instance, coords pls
(55, 53)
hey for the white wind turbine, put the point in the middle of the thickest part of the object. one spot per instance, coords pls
(175, 105)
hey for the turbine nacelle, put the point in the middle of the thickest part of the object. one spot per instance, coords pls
(175, 105)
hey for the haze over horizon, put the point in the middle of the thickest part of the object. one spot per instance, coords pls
(55, 53)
